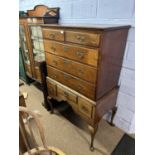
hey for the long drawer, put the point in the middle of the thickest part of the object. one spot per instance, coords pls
(81, 54)
(79, 85)
(84, 38)
(82, 71)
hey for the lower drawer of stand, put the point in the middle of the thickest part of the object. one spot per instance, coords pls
(81, 86)
(58, 91)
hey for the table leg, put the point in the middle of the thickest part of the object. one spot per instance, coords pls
(114, 110)
(93, 130)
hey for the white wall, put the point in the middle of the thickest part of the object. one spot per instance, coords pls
(101, 12)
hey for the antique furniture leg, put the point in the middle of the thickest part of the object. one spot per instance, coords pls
(50, 104)
(114, 110)
(44, 86)
(93, 130)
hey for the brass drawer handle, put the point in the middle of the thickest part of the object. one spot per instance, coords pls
(66, 94)
(66, 62)
(66, 76)
(55, 63)
(80, 38)
(52, 35)
(80, 54)
(53, 49)
(80, 72)
(66, 49)
(54, 76)
(79, 87)
(51, 90)
(85, 109)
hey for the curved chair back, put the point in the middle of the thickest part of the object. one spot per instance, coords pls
(25, 130)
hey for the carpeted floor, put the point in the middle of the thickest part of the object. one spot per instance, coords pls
(71, 137)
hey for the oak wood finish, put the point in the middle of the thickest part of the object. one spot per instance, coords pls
(39, 15)
(43, 14)
(92, 111)
(53, 34)
(23, 22)
(80, 70)
(51, 89)
(73, 82)
(74, 52)
(31, 69)
(83, 38)
(111, 56)
(38, 11)
(67, 94)
(93, 131)
(98, 53)
(85, 107)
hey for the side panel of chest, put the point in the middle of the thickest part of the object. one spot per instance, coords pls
(112, 49)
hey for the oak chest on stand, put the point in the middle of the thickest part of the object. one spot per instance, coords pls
(83, 67)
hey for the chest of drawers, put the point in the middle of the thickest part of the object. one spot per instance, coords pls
(83, 67)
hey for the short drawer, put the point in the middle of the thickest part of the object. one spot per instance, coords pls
(53, 34)
(76, 84)
(85, 107)
(81, 54)
(82, 71)
(51, 86)
(67, 95)
(83, 38)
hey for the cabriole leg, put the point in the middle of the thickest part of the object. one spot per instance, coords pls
(114, 110)
(93, 130)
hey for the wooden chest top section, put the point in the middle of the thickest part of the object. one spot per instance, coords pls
(95, 27)
(87, 59)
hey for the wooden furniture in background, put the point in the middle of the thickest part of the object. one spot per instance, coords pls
(83, 67)
(37, 50)
(26, 128)
(25, 46)
(31, 37)
(43, 14)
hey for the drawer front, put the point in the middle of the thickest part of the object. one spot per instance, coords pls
(68, 95)
(37, 74)
(53, 34)
(51, 88)
(82, 71)
(83, 38)
(76, 84)
(81, 54)
(85, 107)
